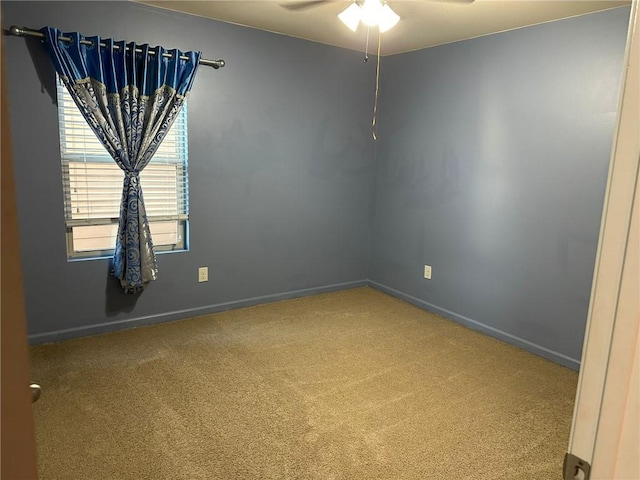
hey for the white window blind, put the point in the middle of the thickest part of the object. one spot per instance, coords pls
(92, 185)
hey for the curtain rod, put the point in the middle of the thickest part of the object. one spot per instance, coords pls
(24, 32)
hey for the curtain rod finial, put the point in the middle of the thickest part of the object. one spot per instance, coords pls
(15, 30)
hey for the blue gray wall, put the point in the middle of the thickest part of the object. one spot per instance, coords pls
(491, 167)
(280, 165)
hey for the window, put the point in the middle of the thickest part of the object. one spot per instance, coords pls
(92, 185)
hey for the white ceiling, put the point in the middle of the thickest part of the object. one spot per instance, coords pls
(423, 23)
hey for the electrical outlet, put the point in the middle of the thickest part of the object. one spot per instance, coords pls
(427, 272)
(203, 274)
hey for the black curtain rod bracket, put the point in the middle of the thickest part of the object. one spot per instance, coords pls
(28, 32)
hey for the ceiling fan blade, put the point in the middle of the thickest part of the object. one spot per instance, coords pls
(303, 5)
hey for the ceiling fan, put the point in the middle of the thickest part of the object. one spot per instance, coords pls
(304, 4)
(307, 4)
(370, 12)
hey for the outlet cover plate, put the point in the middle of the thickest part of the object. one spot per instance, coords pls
(427, 272)
(203, 274)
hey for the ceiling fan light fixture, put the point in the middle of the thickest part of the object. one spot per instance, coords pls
(351, 16)
(387, 19)
(371, 12)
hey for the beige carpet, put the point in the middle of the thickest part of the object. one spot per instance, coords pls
(347, 385)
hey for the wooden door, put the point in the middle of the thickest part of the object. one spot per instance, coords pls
(605, 433)
(17, 455)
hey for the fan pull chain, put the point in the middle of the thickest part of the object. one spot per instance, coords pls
(366, 47)
(375, 102)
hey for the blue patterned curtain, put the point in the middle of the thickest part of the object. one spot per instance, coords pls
(130, 95)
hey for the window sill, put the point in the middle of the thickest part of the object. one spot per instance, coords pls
(110, 256)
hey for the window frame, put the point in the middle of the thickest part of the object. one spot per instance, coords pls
(66, 159)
